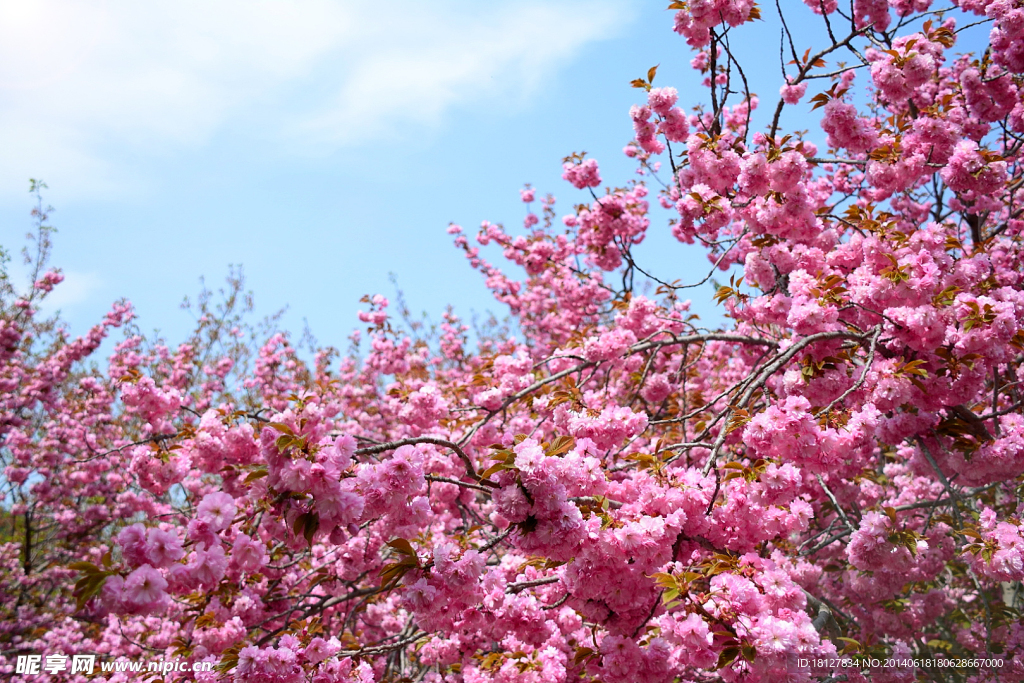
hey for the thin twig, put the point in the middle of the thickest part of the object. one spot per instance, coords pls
(523, 585)
(391, 445)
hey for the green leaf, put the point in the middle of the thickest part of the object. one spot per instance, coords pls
(851, 644)
(495, 468)
(727, 656)
(258, 473)
(561, 445)
(88, 587)
(403, 546)
(663, 579)
(391, 574)
(228, 659)
(307, 524)
(311, 526)
(891, 513)
(282, 427)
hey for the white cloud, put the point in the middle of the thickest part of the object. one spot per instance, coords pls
(420, 63)
(92, 91)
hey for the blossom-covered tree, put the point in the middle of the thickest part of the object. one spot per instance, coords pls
(829, 487)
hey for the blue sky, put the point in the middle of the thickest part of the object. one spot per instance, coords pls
(322, 145)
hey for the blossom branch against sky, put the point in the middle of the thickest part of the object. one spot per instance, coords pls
(192, 135)
(179, 138)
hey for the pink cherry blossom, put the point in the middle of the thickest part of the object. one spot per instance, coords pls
(144, 586)
(217, 509)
